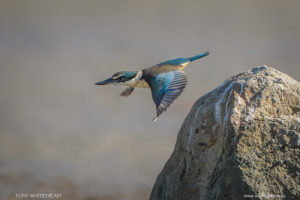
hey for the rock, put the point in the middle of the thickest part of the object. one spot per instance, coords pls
(239, 141)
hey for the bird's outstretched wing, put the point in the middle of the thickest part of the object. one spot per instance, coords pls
(165, 88)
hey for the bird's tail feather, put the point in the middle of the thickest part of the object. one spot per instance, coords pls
(198, 56)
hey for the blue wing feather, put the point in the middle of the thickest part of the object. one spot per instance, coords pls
(166, 87)
(176, 61)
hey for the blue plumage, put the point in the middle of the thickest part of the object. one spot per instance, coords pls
(179, 61)
(191, 59)
(165, 88)
(176, 61)
(166, 81)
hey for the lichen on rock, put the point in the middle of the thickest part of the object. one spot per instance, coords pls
(239, 141)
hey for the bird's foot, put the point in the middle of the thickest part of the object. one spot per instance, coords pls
(154, 119)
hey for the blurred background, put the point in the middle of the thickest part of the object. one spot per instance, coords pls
(59, 133)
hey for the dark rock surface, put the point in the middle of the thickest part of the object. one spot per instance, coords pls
(239, 141)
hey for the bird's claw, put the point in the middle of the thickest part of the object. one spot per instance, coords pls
(154, 119)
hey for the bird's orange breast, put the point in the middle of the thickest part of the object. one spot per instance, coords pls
(141, 84)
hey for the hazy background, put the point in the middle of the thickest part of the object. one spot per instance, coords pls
(60, 133)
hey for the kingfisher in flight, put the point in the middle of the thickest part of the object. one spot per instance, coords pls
(166, 81)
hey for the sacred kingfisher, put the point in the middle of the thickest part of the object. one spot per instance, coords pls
(166, 81)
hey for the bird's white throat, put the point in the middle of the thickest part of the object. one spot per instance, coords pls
(134, 80)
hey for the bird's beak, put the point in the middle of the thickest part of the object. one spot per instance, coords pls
(106, 82)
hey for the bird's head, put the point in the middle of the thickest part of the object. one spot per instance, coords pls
(121, 78)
